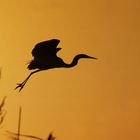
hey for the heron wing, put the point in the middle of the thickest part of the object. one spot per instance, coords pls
(46, 49)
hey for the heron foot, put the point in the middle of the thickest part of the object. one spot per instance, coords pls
(20, 86)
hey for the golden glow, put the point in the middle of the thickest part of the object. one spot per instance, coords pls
(97, 100)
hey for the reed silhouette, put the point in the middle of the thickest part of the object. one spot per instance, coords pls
(2, 111)
(45, 58)
(0, 72)
(16, 136)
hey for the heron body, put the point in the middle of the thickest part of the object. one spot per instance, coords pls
(45, 57)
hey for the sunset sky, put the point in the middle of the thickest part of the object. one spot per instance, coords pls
(97, 99)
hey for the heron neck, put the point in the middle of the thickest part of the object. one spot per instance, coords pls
(73, 63)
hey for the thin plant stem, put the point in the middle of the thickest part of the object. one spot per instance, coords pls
(19, 123)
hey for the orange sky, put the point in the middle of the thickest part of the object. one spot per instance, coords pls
(97, 100)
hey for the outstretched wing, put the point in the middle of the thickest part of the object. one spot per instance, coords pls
(46, 49)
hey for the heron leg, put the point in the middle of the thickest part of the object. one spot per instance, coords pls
(21, 85)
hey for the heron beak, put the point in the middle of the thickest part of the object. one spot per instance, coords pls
(92, 57)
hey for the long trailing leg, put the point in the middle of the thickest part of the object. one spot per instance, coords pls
(21, 85)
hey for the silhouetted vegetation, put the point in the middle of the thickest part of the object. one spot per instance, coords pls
(16, 136)
(2, 111)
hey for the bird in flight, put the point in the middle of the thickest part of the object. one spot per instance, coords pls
(45, 57)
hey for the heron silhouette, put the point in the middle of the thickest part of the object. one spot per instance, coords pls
(45, 57)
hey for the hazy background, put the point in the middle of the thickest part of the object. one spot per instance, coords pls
(96, 100)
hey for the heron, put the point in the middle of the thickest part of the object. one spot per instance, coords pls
(45, 57)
